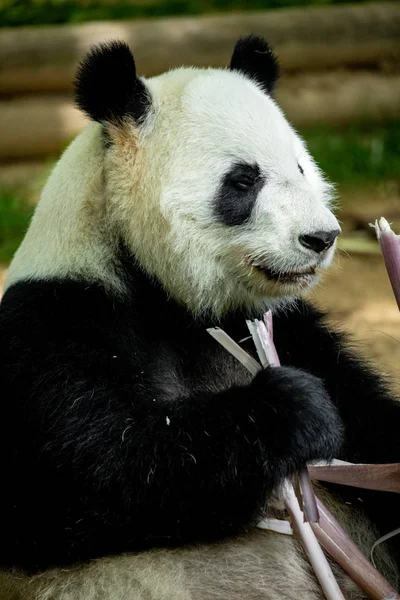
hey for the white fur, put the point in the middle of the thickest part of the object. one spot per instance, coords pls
(66, 234)
(156, 186)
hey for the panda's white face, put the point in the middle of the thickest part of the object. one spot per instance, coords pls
(201, 176)
(223, 193)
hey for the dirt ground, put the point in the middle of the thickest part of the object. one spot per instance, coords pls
(357, 294)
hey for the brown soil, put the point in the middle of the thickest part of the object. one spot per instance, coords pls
(357, 294)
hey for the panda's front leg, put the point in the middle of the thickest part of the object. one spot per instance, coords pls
(125, 472)
(205, 465)
(367, 406)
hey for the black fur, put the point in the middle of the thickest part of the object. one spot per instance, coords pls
(254, 57)
(238, 193)
(106, 85)
(124, 425)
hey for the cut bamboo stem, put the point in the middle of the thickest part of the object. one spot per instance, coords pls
(350, 558)
(229, 344)
(311, 545)
(309, 500)
(385, 477)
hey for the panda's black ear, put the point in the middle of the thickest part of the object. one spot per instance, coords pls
(106, 86)
(253, 57)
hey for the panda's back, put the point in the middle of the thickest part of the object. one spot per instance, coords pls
(259, 566)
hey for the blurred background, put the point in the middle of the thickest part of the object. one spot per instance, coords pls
(340, 88)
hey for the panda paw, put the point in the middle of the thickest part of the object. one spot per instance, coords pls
(303, 424)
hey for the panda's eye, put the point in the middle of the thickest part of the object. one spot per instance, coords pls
(244, 184)
(300, 168)
(243, 177)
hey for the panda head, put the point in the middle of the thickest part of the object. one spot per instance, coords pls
(204, 181)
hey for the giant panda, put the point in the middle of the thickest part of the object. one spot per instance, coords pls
(137, 455)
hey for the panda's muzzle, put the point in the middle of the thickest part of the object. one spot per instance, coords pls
(319, 242)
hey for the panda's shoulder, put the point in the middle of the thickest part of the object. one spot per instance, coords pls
(38, 314)
(38, 300)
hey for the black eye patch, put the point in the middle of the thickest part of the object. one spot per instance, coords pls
(238, 193)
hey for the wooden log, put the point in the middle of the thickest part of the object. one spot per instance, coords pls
(34, 126)
(340, 97)
(315, 38)
(37, 126)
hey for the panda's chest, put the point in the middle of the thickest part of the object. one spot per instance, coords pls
(187, 365)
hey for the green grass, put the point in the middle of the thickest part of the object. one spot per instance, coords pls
(41, 12)
(360, 156)
(15, 215)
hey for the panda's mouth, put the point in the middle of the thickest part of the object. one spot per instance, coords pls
(288, 277)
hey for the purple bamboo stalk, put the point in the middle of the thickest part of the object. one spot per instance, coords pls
(312, 547)
(341, 547)
(384, 477)
(390, 246)
(309, 500)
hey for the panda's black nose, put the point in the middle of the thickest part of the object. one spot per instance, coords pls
(319, 241)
